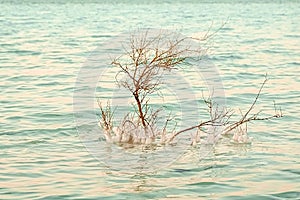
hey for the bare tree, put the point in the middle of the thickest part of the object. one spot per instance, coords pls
(141, 69)
(144, 64)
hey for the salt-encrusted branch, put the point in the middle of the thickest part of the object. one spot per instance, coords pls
(255, 116)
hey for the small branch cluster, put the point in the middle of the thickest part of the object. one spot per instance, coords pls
(106, 121)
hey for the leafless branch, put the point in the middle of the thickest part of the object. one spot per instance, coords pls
(254, 117)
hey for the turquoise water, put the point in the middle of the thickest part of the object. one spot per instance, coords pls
(44, 46)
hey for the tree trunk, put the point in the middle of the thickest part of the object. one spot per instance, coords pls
(141, 114)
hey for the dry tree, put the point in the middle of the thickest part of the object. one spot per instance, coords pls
(141, 70)
(143, 66)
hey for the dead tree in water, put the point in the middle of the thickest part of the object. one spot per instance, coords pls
(141, 69)
(144, 64)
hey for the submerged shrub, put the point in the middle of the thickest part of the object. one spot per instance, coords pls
(140, 71)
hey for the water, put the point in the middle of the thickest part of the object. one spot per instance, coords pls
(43, 47)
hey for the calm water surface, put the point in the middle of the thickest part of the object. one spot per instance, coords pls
(43, 47)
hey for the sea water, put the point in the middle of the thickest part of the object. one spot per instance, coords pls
(43, 47)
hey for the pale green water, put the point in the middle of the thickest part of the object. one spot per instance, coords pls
(43, 46)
